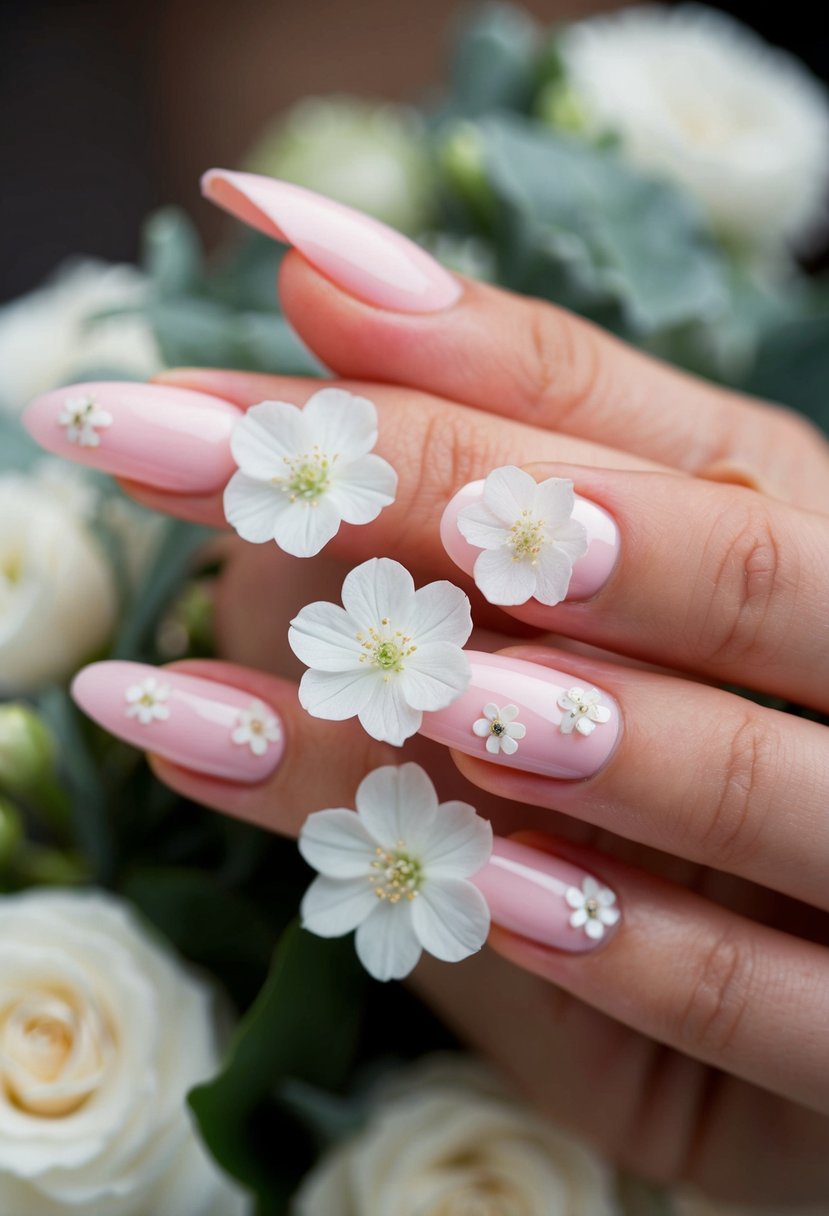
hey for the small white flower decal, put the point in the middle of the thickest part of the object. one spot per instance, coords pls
(302, 472)
(147, 701)
(594, 907)
(582, 711)
(82, 419)
(257, 728)
(499, 728)
(387, 655)
(397, 871)
(528, 536)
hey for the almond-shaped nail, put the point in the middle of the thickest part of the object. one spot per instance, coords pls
(200, 724)
(357, 253)
(529, 717)
(542, 897)
(526, 541)
(170, 438)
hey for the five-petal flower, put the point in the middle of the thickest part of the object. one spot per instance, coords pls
(594, 907)
(302, 472)
(499, 728)
(147, 701)
(528, 537)
(257, 728)
(389, 654)
(582, 710)
(82, 418)
(397, 871)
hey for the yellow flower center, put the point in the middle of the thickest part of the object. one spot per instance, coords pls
(497, 727)
(591, 907)
(527, 537)
(309, 476)
(396, 874)
(385, 648)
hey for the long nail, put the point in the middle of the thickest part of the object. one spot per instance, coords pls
(541, 897)
(199, 724)
(169, 438)
(590, 572)
(359, 254)
(529, 717)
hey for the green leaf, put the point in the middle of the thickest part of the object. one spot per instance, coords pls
(304, 1025)
(207, 333)
(17, 450)
(494, 62)
(792, 368)
(172, 253)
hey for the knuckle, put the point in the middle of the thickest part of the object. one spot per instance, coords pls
(735, 817)
(563, 366)
(722, 983)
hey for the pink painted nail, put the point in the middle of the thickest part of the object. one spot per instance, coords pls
(589, 573)
(170, 438)
(541, 897)
(200, 724)
(528, 717)
(359, 254)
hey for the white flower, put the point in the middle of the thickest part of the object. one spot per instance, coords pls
(704, 101)
(257, 728)
(102, 1034)
(594, 906)
(499, 728)
(446, 1137)
(528, 535)
(147, 701)
(396, 871)
(389, 654)
(85, 323)
(302, 472)
(58, 597)
(583, 709)
(82, 419)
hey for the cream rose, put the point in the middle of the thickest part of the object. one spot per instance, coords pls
(446, 1140)
(102, 1033)
(57, 590)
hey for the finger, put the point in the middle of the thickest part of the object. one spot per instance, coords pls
(681, 767)
(376, 306)
(713, 579)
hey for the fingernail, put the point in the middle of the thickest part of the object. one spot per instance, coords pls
(589, 572)
(170, 438)
(541, 897)
(200, 724)
(528, 717)
(358, 253)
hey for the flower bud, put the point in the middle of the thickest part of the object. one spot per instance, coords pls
(27, 749)
(11, 831)
(462, 160)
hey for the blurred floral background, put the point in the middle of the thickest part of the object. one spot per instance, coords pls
(169, 1040)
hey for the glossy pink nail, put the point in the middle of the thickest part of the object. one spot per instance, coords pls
(590, 572)
(169, 438)
(529, 717)
(359, 254)
(541, 897)
(199, 724)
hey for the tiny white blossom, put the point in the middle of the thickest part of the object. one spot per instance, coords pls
(303, 472)
(397, 871)
(499, 728)
(594, 907)
(257, 728)
(583, 710)
(82, 418)
(528, 536)
(389, 654)
(147, 701)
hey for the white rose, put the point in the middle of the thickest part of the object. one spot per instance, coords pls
(102, 1033)
(57, 590)
(703, 100)
(448, 1141)
(50, 336)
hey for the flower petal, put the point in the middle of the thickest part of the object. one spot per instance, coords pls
(323, 636)
(451, 918)
(386, 942)
(386, 714)
(434, 676)
(341, 423)
(579, 918)
(508, 713)
(376, 589)
(481, 528)
(606, 897)
(594, 929)
(252, 507)
(516, 730)
(363, 488)
(554, 501)
(590, 887)
(337, 844)
(493, 745)
(335, 695)
(508, 491)
(609, 916)
(571, 538)
(480, 727)
(266, 434)
(442, 613)
(458, 842)
(303, 528)
(508, 745)
(574, 897)
(553, 571)
(584, 726)
(501, 579)
(332, 907)
(398, 802)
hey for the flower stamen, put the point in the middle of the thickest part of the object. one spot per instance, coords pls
(528, 536)
(398, 875)
(309, 475)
